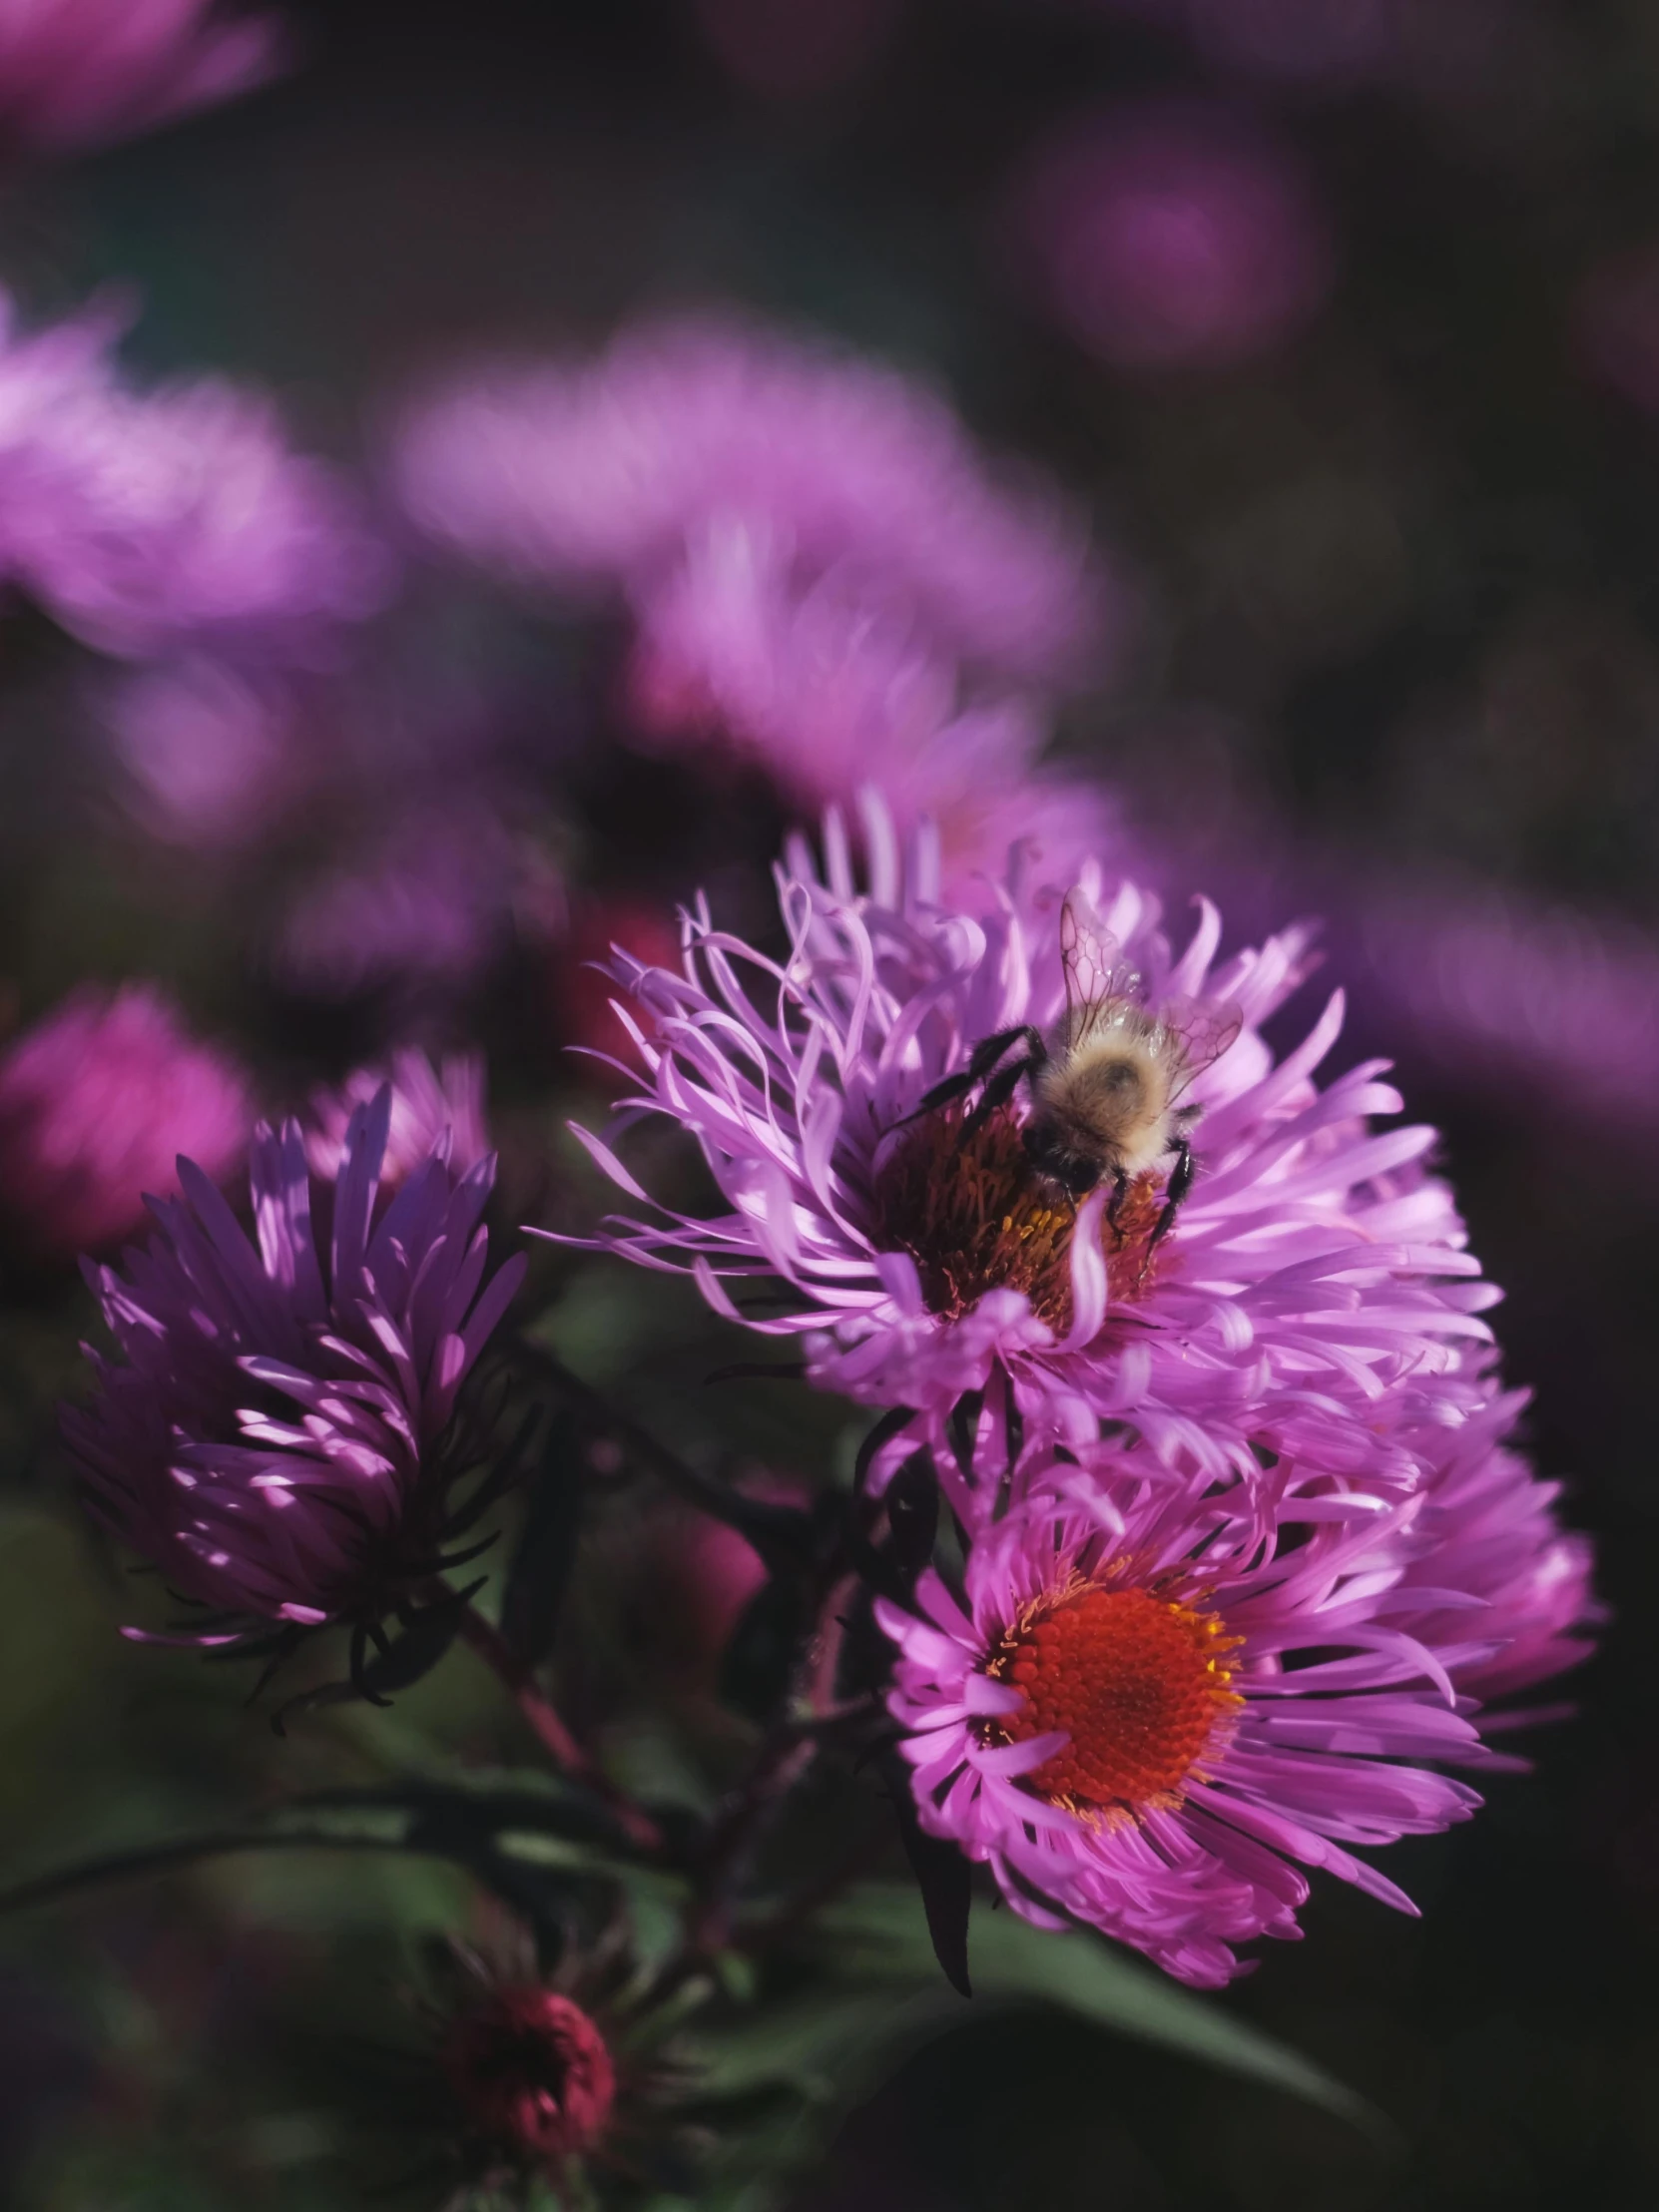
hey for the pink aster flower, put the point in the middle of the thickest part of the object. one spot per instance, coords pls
(97, 1101)
(1488, 1533)
(1313, 1299)
(1168, 237)
(283, 1440)
(1157, 1702)
(601, 475)
(145, 519)
(431, 1108)
(77, 72)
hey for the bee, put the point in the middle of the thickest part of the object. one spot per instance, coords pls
(1108, 1087)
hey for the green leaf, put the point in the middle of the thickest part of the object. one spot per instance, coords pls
(878, 1932)
(488, 1829)
(812, 2046)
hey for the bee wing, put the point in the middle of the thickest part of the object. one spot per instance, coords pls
(1095, 969)
(1201, 1034)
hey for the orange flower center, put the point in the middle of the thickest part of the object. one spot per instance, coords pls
(1138, 1681)
(975, 1216)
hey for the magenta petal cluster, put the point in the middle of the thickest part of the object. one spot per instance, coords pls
(77, 73)
(601, 474)
(1249, 1691)
(147, 520)
(1315, 1300)
(433, 1107)
(97, 1101)
(280, 1439)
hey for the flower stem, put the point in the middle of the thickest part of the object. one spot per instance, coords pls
(782, 1534)
(556, 1738)
(788, 1750)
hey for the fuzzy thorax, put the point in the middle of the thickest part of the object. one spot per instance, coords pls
(1108, 1100)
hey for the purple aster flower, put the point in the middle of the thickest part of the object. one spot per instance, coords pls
(1159, 1697)
(97, 1101)
(602, 475)
(145, 519)
(1166, 238)
(1312, 1298)
(77, 72)
(430, 1106)
(283, 1441)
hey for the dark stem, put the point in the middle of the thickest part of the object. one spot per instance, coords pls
(788, 1750)
(782, 1534)
(539, 1710)
(824, 1889)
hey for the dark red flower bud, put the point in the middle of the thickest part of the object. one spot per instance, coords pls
(533, 2073)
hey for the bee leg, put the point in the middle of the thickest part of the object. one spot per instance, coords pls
(1120, 1192)
(1175, 1190)
(996, 1092)
(985, 1056)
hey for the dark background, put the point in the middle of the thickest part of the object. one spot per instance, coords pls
(1401, 583)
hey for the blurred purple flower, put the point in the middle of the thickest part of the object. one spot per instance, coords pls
(1315, 1301)
(282, 1441)
(827, 694)
(77, 72)
(1171, 237)
(1544, 1005)
(602, 475)
(435, 896)
(97, 1101)
(1532, 997)
(143, 520)
(433, 1110)
(208, 751)
(1155, 1708)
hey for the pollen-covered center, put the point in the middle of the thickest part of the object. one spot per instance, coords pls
(1136, 1680)
(975, 1216)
